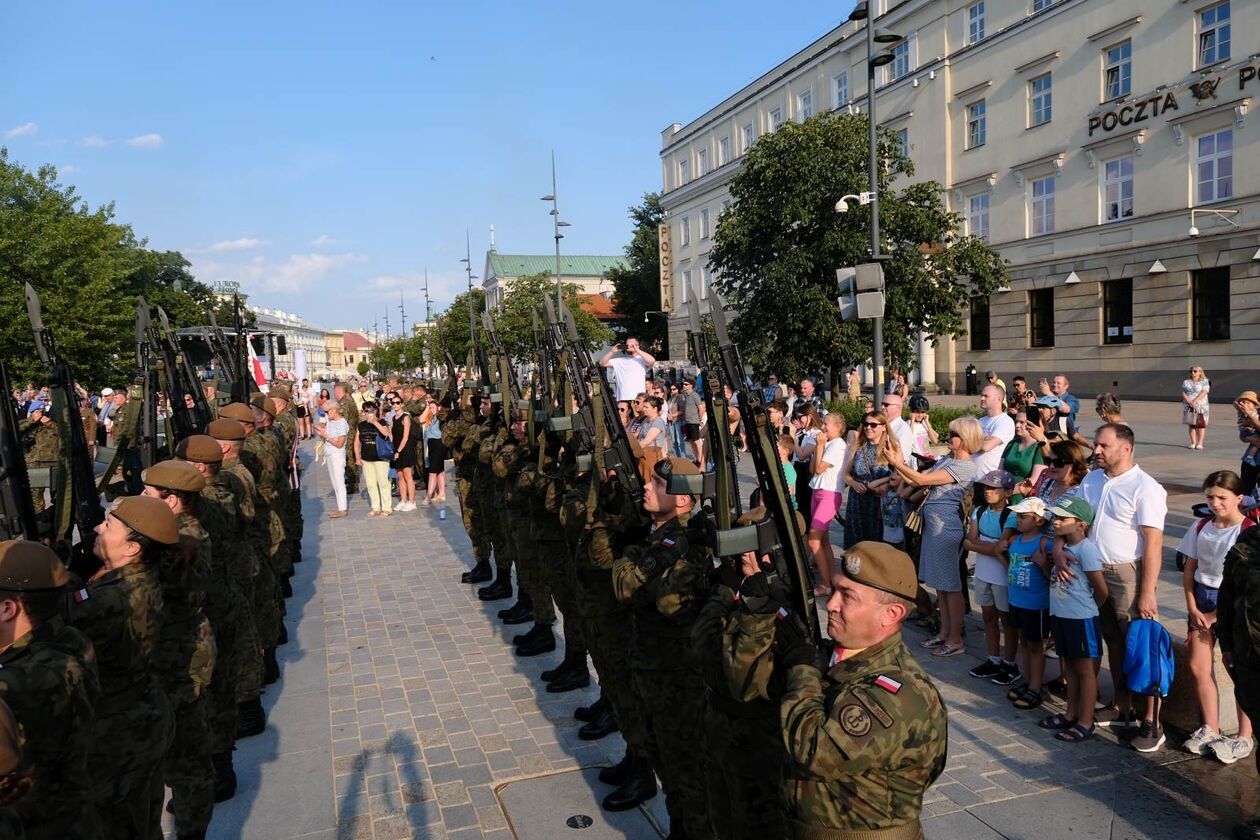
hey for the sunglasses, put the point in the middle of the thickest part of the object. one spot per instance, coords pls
(395, 402)
(872, 425)
(1055, 463)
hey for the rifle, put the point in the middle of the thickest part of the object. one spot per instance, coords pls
(184, 382)
(240, 355)
(777, 534)
(146, 440)
(723, 494)
(83, 510)
(449, 395)
(17, 512)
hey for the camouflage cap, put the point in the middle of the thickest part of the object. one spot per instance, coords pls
(27, 566)
(174, 475)
(226, 429)
(147, 516)
(264, 404)
(237, 411)
(10, 741)
(201, 449)
(880, 566)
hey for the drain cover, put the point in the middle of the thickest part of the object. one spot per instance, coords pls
(562, 804)
(579, 821)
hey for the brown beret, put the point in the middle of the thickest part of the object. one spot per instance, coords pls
(27, 566)
(264, 404)
(880, 566)
(148, 516)
(202, 449)
(10, 741)
(226, 429)
(280, 392)
(174, 475)
(237, 411)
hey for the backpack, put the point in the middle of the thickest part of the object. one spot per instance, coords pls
(1148, 658)
(1247, 522)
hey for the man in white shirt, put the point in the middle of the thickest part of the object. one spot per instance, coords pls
(629, 365)
(1129, 509)
(998, 427)
(892, 406)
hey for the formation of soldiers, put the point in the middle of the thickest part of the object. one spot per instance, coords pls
(142, 674)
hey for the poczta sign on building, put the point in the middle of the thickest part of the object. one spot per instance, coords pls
(1152, 106)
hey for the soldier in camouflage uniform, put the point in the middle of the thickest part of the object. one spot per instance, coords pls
(462, 438)
(350, 412)
(120, 611)
(491, 502)
(186, 649)
(286, 423)
(537, 549)
(273, 436)
(251, 510)
(48, 677)
(43, 447)
(226, 606)
(1238, 630)
(15, 779)
(665, 580)
(506, 463)
(866, 738)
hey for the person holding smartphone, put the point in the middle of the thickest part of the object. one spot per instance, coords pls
(629, 365)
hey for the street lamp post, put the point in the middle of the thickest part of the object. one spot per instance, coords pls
(862, 12)
(428, 337)
(472, 318)
(556, 225)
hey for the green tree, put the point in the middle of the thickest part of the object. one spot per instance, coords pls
(776, 250)
(363, 368)
(637, 288)
(514, 321)
(453, 331)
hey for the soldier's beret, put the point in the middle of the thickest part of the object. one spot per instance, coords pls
(676, 465)
(226, 429)
(281, 392)
(27, 566)
(148, 516)
(203, 449)
(174, 475)
(237, 411)
(264, 404)
(880, 566)
(10, 741)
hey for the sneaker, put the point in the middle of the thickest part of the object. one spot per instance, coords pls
(1228, 750)
(1150, 737)
(1112, 718)
(1006, 675)
(1199, 741)
(986, 669)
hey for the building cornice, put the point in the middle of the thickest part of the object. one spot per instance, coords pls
(1037, 62)
(1115, 29)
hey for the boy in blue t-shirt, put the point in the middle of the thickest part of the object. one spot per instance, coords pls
(1028, 590)
(983, 533)
(1076, 590)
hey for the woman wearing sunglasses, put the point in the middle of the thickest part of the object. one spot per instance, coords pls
(404, 460)
(868, 477)
(1022, 457)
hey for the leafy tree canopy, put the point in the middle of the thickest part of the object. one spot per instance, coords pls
(453, 332)
(637, 289)
(514, 322)
(776, 250)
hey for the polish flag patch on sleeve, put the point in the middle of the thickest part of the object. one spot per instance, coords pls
(783, 614)
(81, 596)
(888, 684)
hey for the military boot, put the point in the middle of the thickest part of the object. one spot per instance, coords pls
(478, 574)
(1248, 830)
(282, 638)
(520, 612)
(637, 789)
(250, 718)
(544, 641)
(569, 681)
(569, 663)
(586, 714)
(271, 668)
(224, 777)
(604, 724)
(497, 591)
(619, 773)
(286, 588)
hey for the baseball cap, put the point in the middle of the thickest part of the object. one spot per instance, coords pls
(1030, 504)
(107, 392)
(1048, 401)
(1074, 508)
(997, 478)
(882, 567)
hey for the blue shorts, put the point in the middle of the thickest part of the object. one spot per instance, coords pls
(1034, 625)
(1205, 598)
(1078, 638)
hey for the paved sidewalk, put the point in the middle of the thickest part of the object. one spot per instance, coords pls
(403, 713)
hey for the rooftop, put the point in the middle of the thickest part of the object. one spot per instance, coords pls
(522, 265)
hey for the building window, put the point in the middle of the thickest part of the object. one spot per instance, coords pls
(1214, 166)
(1039, 100)
(750, 137)
(900, 65)
(1038, 5)
(724, 151)
(1041, 318)
(979, 323)
(776, 119)
(706, 278)
(684, 230)
(975, 22)
(1118, 70)
(1042, 206)
(704, 223)
(1209, 293)
(1118, 189)
(702, 162)
(975, 124)
(903, 142)
(686, 284)
(840, 90)
(1118, 311)
(978, 216)
(1214, 34)
(684, 171)
(805, 104)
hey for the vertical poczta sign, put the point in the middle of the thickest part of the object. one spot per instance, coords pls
(666, 247)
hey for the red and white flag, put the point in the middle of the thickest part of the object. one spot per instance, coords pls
(255, 366)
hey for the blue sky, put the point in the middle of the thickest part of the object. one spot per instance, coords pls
(324, 154)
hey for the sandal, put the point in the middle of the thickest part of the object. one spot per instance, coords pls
(948, 650)
(1028, 699)
(935, 641)
(1075, 734)
(1058, 722)
(1057, 687)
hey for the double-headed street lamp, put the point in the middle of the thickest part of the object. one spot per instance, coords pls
(467, 261)
(556, 225)
(873, 36)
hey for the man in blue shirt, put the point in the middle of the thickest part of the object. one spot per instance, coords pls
(1058, 387)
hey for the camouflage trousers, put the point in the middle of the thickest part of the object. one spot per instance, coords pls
(266, 597)
(129, 743)
(529, 572)
(554, 565)
(474, 522)
(352, 470)
(744, 760)
(291, 515)
(672, 703)
(220, 695)
(187, 771)
(249, 679)
(607, 624)
(500, 535)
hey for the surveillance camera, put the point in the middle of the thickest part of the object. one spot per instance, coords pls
(1193, 231)
(842, 206)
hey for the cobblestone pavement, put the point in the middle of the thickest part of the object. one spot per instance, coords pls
(402, 710)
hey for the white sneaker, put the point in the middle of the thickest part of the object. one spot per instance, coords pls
(405, 506)
(1199, 741)
(1228, 750)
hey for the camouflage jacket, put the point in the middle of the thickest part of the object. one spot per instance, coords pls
(217, 512)
(286, 423)
(258, 454)
(350, 411)
(46, 447)
(48, 678)
(182, 644)
(864, 742)
(254, 514)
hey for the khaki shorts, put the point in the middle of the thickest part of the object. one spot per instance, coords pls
(992, 595)
(1120, 608)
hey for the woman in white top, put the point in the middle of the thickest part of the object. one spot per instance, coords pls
(826, 486)
(1194, 393)
(334, 433)
(1205, 545)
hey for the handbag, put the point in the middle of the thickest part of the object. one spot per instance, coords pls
(384, 447)
(914, 519)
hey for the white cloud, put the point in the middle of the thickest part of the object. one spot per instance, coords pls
(147, 141)
(67, 170)
(443, 285)
(94, 141)
(324, 240)
(243, 244)
(295, 274)
(23, 130)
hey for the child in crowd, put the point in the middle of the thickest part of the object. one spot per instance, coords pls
(984, 531)
(785, 444)
(1028, 590)
(1077, 588)
(1205, 545)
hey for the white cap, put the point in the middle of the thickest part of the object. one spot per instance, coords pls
(107, 392)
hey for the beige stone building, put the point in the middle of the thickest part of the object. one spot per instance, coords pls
(1099, 145)
(584, 271)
